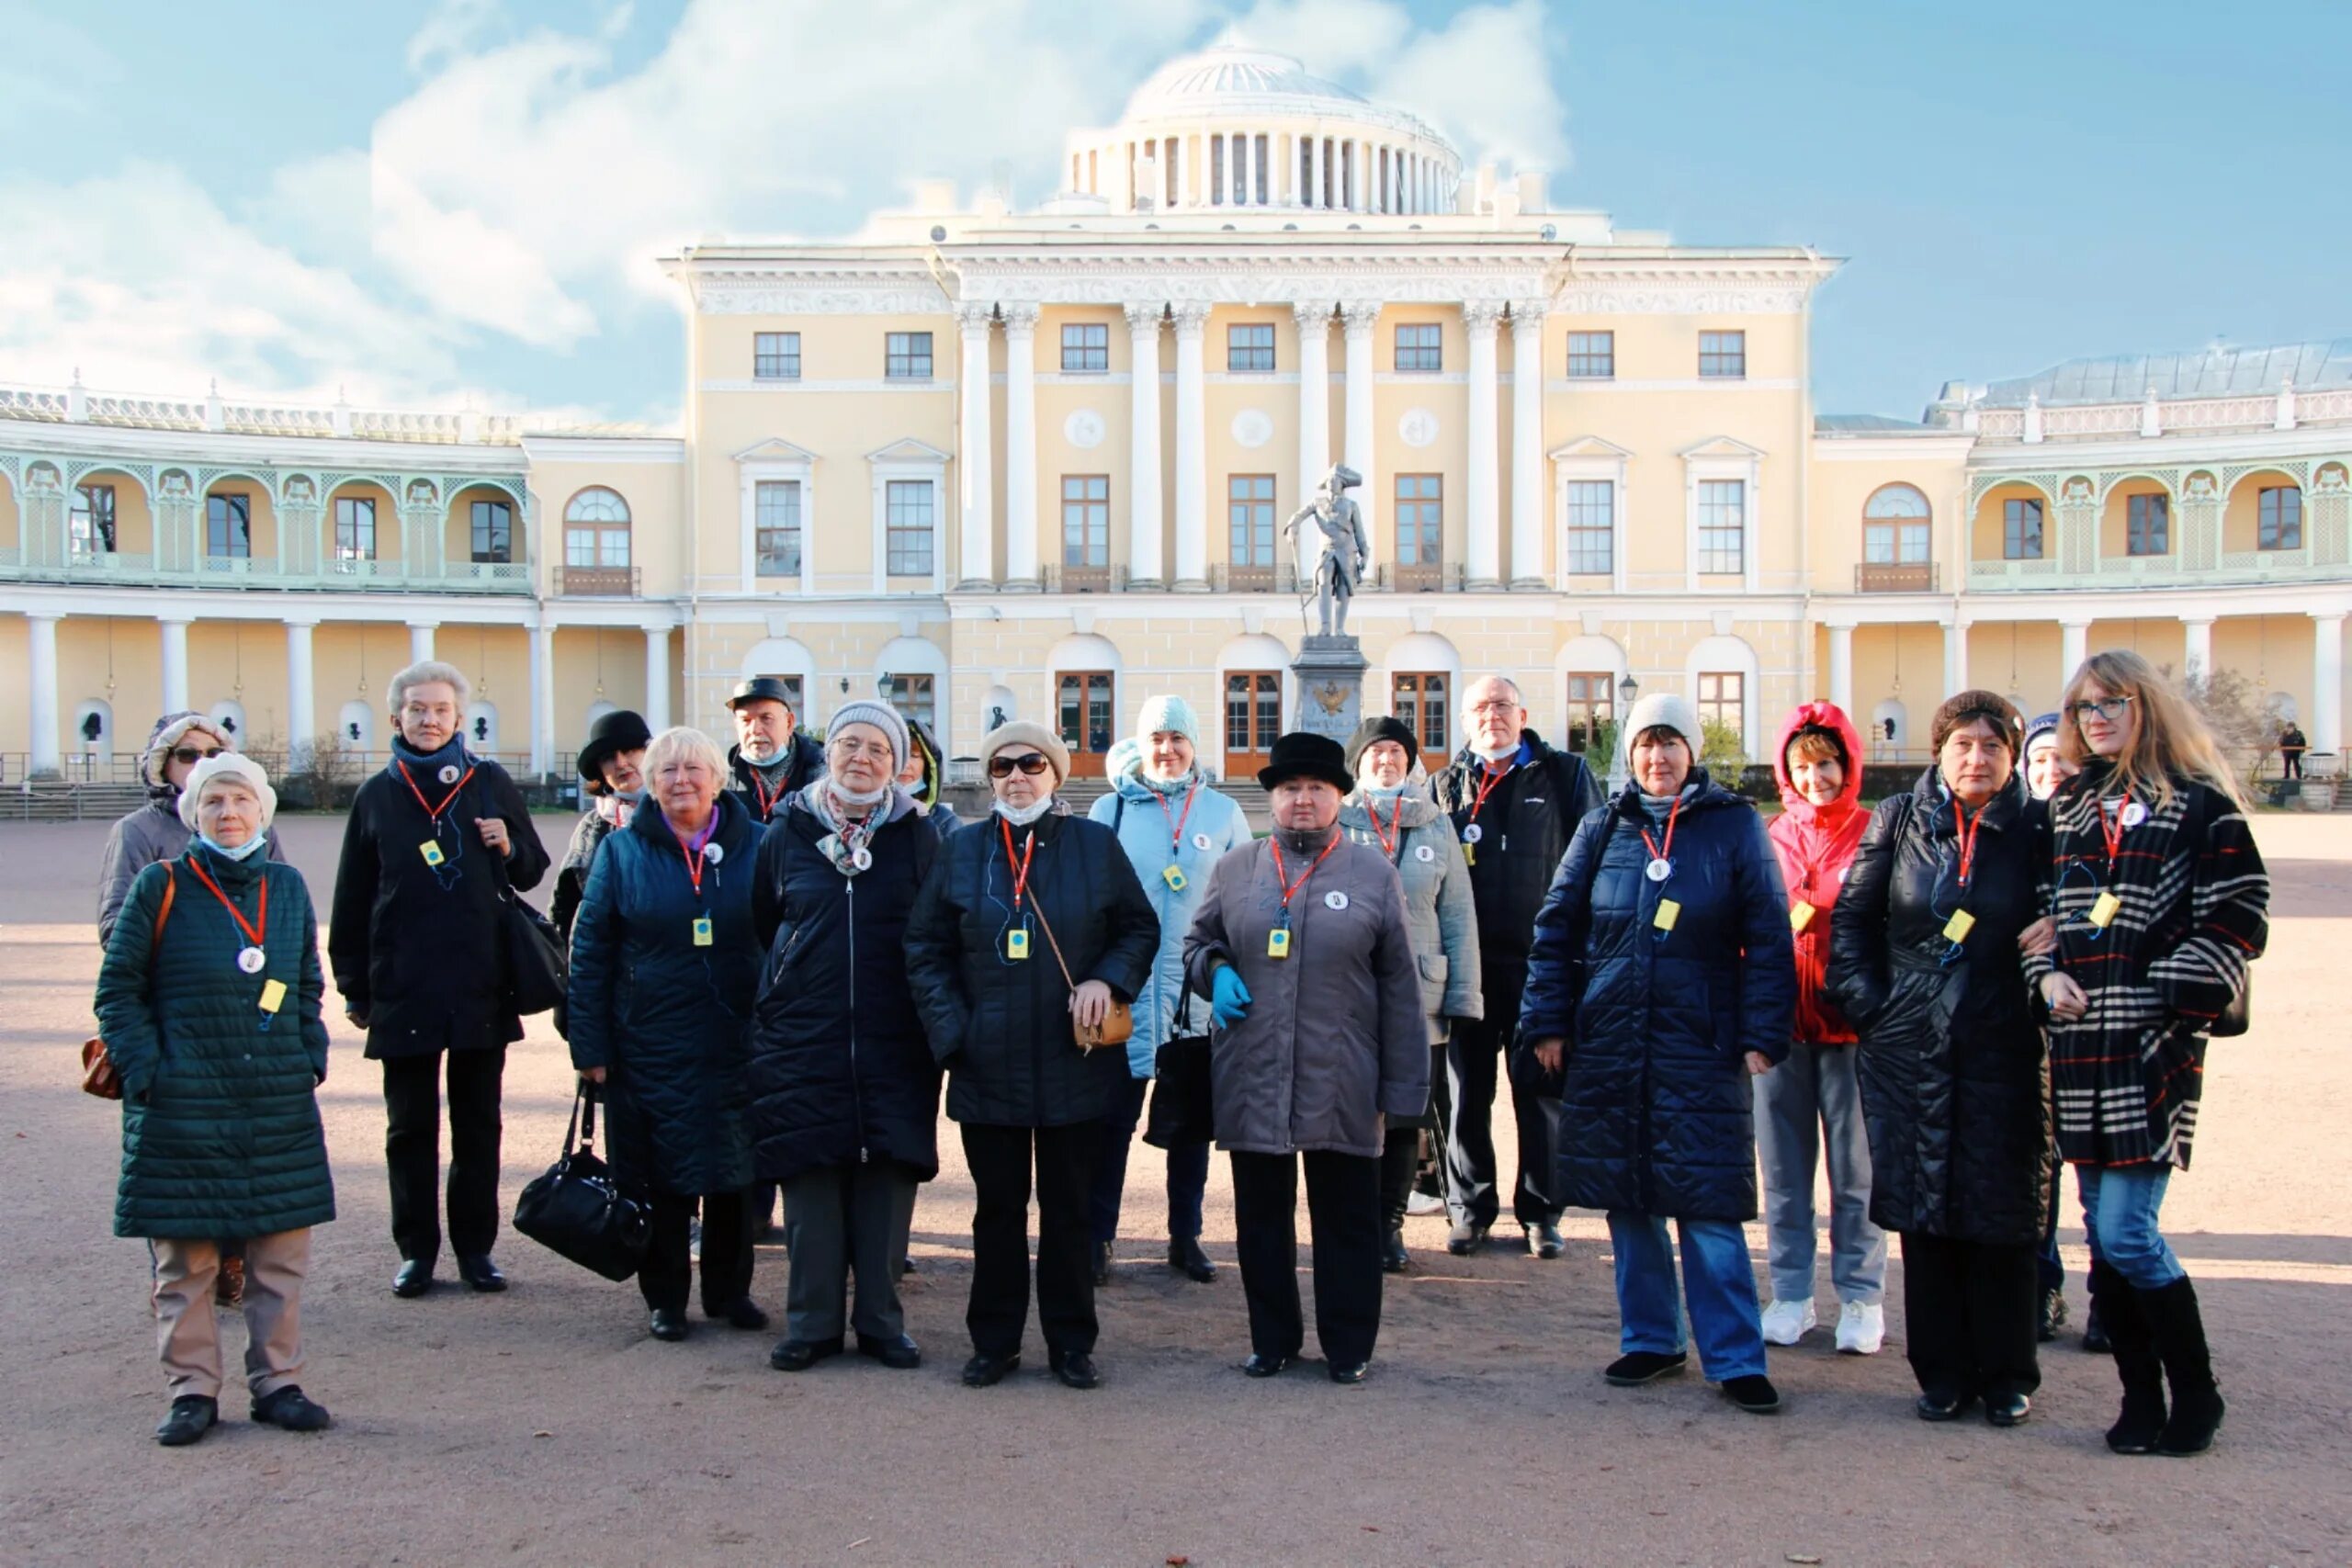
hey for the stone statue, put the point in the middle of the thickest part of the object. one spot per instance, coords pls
(1340, 569)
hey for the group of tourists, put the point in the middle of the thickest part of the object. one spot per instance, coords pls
(779, 955)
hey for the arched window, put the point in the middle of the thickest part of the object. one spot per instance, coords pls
(595, 543)
(1895, 526)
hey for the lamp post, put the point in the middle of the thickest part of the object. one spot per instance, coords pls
(1627, 690)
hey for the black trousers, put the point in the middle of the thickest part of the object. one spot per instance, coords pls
(1474, 1059)
(1429, 1176)
(726, 1251)
(412, 1150)
(1400, 1157)
(1971, 1310)
(1344, 1207)
(2294, 768)
(999, 1162)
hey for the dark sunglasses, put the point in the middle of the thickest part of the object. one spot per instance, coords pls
(1030, 762)
(191, 756)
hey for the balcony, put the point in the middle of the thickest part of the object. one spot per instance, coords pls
(356, 576)
(2235, 569)
(1060, 579)
(1280, 578)
(1436, 577)
(1891, 577)
(596, 582)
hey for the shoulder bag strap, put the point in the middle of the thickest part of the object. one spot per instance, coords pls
(164, 909)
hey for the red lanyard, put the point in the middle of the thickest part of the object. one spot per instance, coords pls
(694, 860)
(2113, 832)
(1020, 871)
(1659, 850)
(431, 813)
(759, 792)
(1965, 831)
(1387, 838)
(253, 931)
(1282, 879)
(1176, 819)
(1495, 774)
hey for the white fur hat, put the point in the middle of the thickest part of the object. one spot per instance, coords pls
(229, 764)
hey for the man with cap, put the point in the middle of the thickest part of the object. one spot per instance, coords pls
(1515, 802)
(609, 775)
(1303, 948)
(770, 759)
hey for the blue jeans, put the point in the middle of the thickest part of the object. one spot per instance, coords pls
(1719, 1282)
(2120, 1205)
(1808, 1107)
(1188, 1171)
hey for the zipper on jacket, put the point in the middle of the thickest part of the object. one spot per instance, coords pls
(856, 1088)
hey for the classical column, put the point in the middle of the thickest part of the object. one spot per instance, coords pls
(420, 640)
(1955, 658)
(1526, 444)
(1841, 667)
(301, 693)
(1021, 523)
(2074, 647)
(657, 677)
(175, 666)
(41, 676)
(2199, 631)
(1359, 317)
(975, 488)
(1314, 410)
(1192, 454)
(1485, 457)
(2327, 687)
(543, 700)
(1143, 443)
(1312, 196)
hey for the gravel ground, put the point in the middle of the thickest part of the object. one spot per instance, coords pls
(543, 1425)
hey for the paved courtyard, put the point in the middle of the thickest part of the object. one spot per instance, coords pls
(544, 1426)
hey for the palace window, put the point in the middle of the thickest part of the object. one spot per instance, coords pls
(2280, 518)
(775, 522)
(1896, 527)
(2022, 529)
(2148, 526)
(1249, 346)
(909, 527)
(1086, 520)
(1722, 701)
(1420, 519)
(1722, 528)
(493, 531)
(914, 698)
(1722, 355)
(775, 356)
(355, 527)
(1592, 356)
(1592, 527)
(1249, 517)
(1592, 702)
(91, 524)
(1420, 347)
(596, 530)
(1086, 345)
(229, 526)
(905, 356)
(1417, 699)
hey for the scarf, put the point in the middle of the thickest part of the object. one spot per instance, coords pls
(242, 852)
(615, 810)
(846, 842)
(1021, 816)
(1306, 840)
(452, 754)
(1176, 786)
(773, 771)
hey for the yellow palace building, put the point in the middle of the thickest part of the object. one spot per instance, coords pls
(1036, 464)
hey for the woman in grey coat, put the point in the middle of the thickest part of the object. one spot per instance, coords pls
(1303, 949)
(154, 832)
(1419, 840)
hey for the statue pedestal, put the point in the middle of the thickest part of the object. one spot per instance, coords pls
(1330, 673)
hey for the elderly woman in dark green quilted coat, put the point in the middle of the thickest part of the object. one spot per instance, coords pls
(209, 1004)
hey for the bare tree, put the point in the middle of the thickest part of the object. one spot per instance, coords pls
(2244, 720)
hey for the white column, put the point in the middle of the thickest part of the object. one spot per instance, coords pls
(2199, 632)
(301, 692)
(1359, 317)
(175, 666)
(1191, 451)
(420, 640)
(657, 677)
(1485, 456)
(1955, 659)
(42, 707)
(542, 699)
(1841, 667)
(1143, 443)
(1314, 411)
(1021, 445)
(2074, 647)
(975, 490)
(2327, 688)
(1308, 198)
(1527, 444)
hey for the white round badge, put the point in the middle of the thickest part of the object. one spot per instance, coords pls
(1660, 870)
(448, 773)
(2135, 814)
(1423, 853)
(1334, 899)
(1200, 841)
(713, 854)
(1473, 833)
(863, 859)
(251, 960)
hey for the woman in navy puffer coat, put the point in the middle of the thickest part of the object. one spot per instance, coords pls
(1665, 994)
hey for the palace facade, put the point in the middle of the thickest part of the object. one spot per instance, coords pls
(1037, 463)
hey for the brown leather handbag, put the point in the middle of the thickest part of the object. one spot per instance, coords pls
(1119, 1025)
(99, 1077)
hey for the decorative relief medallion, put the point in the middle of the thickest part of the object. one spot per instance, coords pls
(1418, 427)
(1254, 427)
(1084, 428)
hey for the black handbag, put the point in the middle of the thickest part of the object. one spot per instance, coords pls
(578, 1207)
(2236, 1017)
(1182, 1109)
(537, 973)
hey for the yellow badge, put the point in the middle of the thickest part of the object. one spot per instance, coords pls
(272, 995)
(1016, 944)
(1956, 930)
(1668, 911)
(1469, 854)
(701, 931)
(1278, 942)
(1174, 877)
(431, 852)
(2104, 908)
(1800, 915)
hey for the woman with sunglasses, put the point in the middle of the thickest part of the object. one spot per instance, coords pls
(1924, 963)
(1030, 924)
(2162, 901)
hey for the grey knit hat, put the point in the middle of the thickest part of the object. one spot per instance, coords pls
(882, 716)
(1665, 710)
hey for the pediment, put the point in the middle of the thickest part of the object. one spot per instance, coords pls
(1723, 446)
(774, 449)
(1590, 446)
(907, 450)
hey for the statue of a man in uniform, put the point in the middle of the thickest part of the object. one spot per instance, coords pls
(1339, 570)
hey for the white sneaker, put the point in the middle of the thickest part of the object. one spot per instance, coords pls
(1420, 1205)
(1786, 1321)
(1861, 1328)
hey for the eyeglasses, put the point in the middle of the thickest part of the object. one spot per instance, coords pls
(1030, 762)
(2106, 708)
(188, 756)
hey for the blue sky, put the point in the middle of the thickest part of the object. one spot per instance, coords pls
(429, 201)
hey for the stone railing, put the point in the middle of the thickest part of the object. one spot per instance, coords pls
(141, 570)
(78, 404)
(2282, 409)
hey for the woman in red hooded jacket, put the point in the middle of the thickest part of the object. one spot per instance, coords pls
(1811, 1104)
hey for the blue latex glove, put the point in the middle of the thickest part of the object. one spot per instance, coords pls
(1231, 998)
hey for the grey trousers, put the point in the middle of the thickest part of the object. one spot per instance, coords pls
(1808, 1107)
(187, 1327)
(838, 1220)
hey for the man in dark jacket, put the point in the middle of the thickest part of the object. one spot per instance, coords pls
(2291, 747)
(1516, 803)
(611, 777)
(418, 948)
(770, 759)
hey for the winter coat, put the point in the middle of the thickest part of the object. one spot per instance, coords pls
(1335, 1038)
(668, 1020)
(2196, 912)
(419, 951)
(571, 871)
(1815, 844)
(1146, 824)
(807, 763)
(1441, 918)
(841, 1073)
(154, 832)
(1001, 1025)
(221, 1131)
(1657, 1111)
(1522, 831)
(1954, 1092)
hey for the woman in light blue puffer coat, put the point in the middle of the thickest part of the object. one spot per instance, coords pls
(1174, 828)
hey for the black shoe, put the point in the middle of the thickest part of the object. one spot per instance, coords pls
(1184, 1254)
(479, 1272)
(2179, 1331)
(292, 1410)
(745, 1314)
(1260, 1365)
(800, 1355)
(1075, 1368)
(2008, 1409)
(907, 1267)
(190, 1416)
(1753, 1393)
(2095, 1336)
(1465, 1238)
(985, 1371)
(1637, 1368)
(1102, 1263)
(2053, 1317)
(1394, 1259)
(1543, 1240)
(1351, 1373)
(413, 1278)
(900, 1354)
(668, 1324)
(1941, 1405)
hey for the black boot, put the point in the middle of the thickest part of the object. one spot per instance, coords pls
(2094, 1339)
(1394, 1259)
(2180, 1342)
(1102, 1263)
(2113, 1303)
